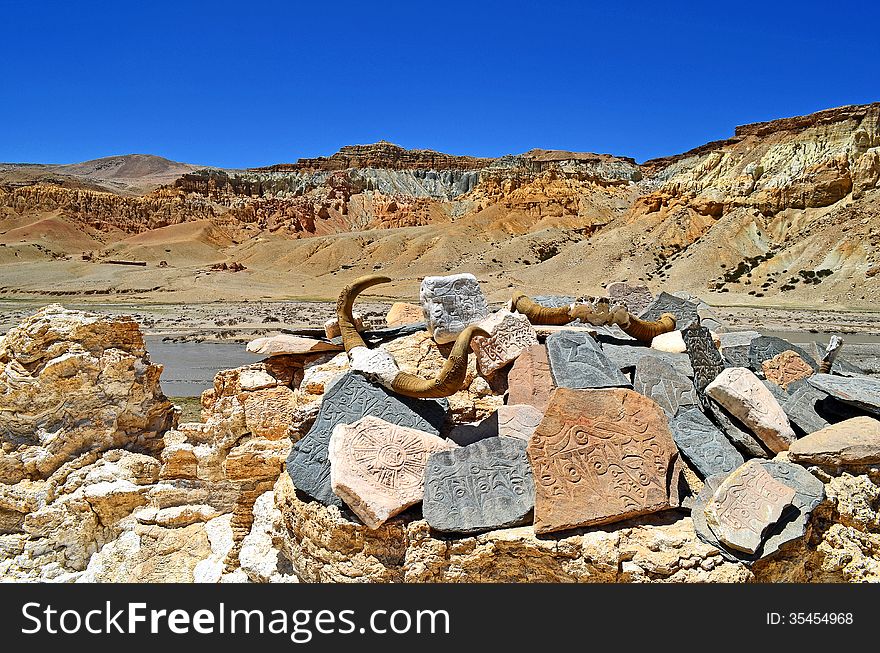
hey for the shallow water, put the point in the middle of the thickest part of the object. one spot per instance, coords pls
(190, 366)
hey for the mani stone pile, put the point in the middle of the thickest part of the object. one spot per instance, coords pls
(597, 427)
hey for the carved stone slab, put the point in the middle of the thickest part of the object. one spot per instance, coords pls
(402, 313)
(518, 421)
(854, 441)
(741, 392)
(685, 312)
(658, 380)
(745, 505)
(510, 333)
(451, 304)
(346, 401)
(703, 354)
(529, 380)
(707, 449)
(735, 346)
(785, 368)
(480, 487)
(577, 361)
(736, 431)
(766, 347)
(799, 405)
(599, 456)
(636, 297)
(553, 301)
(626, 357)
(860, 391)
(378, 468)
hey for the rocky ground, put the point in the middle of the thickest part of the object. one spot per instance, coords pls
(101, 481)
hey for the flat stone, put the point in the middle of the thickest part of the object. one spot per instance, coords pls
(766, 347)
(854, 441)
(451, 304)
(703, 354)
(346, 401)
(745, 505)
(375, 337)
(627, 357)
(600, 456)
(518, 421)
(786, 367)
(736, 431)
(284, 344)
(636, 297)
(671, 342)
(480, 487)
(529, 380)
(860, 391)
(402, 313)
(577, 361)
(706, 447)
(735, 346)
(799, 405)
(509, 334)
(685, 312)
(741, 392)
(378, 468)
(659, 381)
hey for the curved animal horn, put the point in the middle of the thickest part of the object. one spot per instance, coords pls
(831, 352)
(450, 378)
(645, 331)
(538, 314)
(350, 336)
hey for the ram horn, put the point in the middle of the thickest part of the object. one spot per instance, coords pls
(831, 352)
(538, 314)
(450, 378)
(646, 331)
(350, 336)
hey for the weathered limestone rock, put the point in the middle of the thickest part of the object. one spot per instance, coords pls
(577, 361)
(854, 441)
(518, 421)
(378, 468)
(738, 390)
(529, 380)
(670, 342)
(284, 344)
(50, 411)
(809, 493)
(659, 381)
(704, 356)
(860, 391)
(766, 347)
(510, 333)
(319, 375)
(480, 487)
(636, 297)
(347, 401)
(402, 313)
(786, 367)
(599, 456)
(708, 450)
(745, 505)
(451, 304)
(260, 557)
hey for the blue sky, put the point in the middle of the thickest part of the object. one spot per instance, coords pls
(253, 83)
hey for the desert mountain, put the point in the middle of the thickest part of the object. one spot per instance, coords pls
(783, 213)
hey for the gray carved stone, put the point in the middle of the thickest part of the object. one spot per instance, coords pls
(577, 361)
(839, 366)
(345, 402)
(736, 431)
(685, 312)
(703, 354)
(661, 382)
(480, 487)
(636, 297)
(799, 405)
(451, 304)
(860, 391)
(707, 449)
(627, 357)
(766, 347)
(735, 346)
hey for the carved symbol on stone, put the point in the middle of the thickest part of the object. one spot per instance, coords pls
(766, 347)
(510, 333)
(451, 304)
(685, 312)
(577, 361)
(705, 357)
(786, 367)
(659, 381)
(529, 380)
(703, 444)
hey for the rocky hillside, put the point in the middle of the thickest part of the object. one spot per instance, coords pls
(785, 212)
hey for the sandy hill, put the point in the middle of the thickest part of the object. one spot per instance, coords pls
(784, 212)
